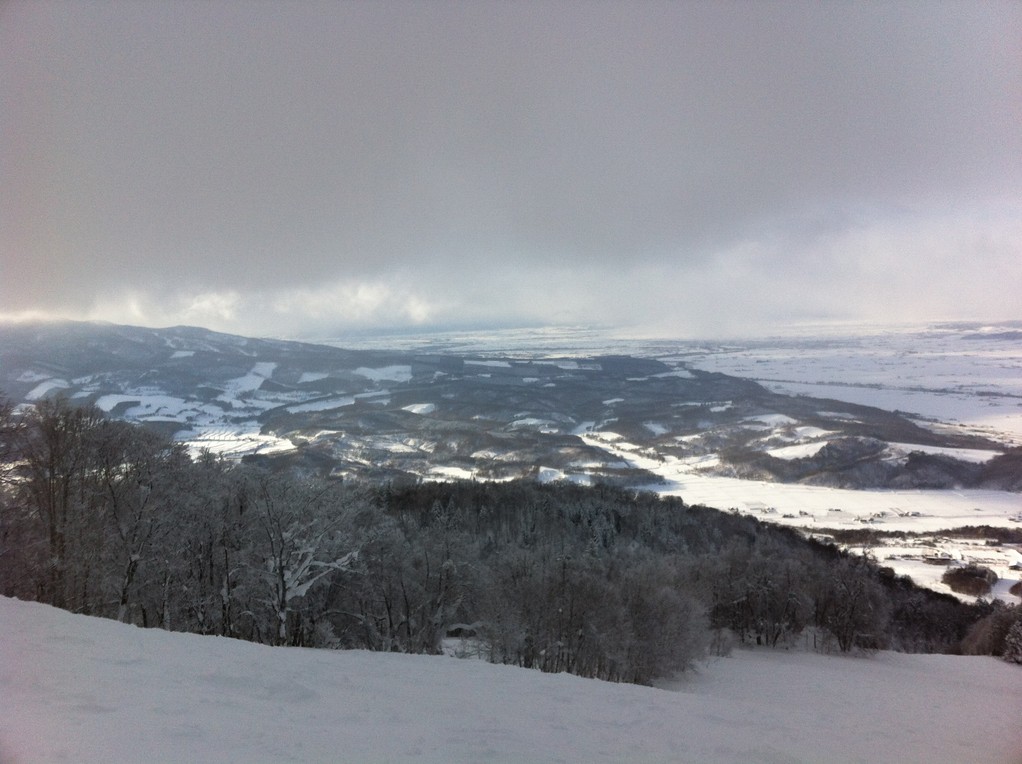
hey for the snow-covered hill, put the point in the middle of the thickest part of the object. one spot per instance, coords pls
(74, 688)
(725, 424)
(411, 414)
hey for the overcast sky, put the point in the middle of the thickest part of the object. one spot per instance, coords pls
(678, 168)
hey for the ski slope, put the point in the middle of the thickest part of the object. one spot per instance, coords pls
(75, 688)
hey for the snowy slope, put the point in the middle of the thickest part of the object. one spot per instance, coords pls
(74, 688)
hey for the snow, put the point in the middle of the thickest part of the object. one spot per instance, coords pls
(396, 447)
(491, 364)
(798, 451)
(166, 406)
(548, 474)
(75, 688)
(322, 405)
(655, 428)
(935, 509)
(817, 507)
(562, 363)
(441, 473)
(808, 431)
(233, 442)
(373, 394)
(992, 417)
(939, 373)
(420, 408)
(43, 388)
(397, 373)
(551, 474)
(975, 455)
(182, 354)
(32, 376)
(680, 373)
(312, 376)
(250, 382)
(543, 425)
(772, 420)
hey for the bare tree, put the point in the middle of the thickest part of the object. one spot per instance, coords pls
(139, 476)
(851, 605)
(56, 451)
(296, 544)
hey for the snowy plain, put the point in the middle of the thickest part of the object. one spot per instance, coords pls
(82, 689)
(970, 377)
(967, 376)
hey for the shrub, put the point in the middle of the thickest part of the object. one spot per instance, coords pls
(974, 580)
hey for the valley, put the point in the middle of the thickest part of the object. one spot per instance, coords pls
(907, 434)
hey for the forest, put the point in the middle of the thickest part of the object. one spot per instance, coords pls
(107, 518)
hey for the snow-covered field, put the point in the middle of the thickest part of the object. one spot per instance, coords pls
(396, 373)
(234, 441)
(74, 688)
(817, 508)
(909, 510)
(968, 377)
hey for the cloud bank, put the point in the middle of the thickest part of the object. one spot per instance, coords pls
(681, 168)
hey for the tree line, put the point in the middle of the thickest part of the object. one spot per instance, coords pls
(107, 518)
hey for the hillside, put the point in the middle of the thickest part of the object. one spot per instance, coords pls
(579, 407)
(74, 688)
(409, 414)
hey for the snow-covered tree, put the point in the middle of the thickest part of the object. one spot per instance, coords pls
(851, 605)
(1013, 642)
(296, 544)
(139, 478)
(56, 450)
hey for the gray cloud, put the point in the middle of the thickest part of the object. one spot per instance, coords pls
(304, 167)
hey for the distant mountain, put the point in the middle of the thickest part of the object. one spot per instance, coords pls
(410, 415)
